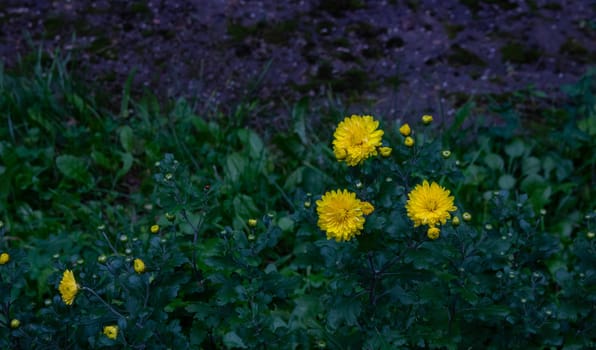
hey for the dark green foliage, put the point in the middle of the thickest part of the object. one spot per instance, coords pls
(238, 260)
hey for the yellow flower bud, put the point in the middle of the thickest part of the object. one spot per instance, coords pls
(405, 130)
(409, 141)
(455, 221)
(433, 233)
(252, 222)
(307, 204)
(111, 331)
(14, 323)
(467, 216)
(171, 217)
(590, 234)
(139, 266)
(155, 229)
(446, 153)
(4, 258)
(427, 119)
(385, 151)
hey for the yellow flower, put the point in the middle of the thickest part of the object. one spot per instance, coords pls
(155, 229)
(139, 266)
(252, 222)
(4, 258)
(409, 141)
(405, 130)
(111, 331)
(14, 323)
(427, 119)
(433, 233)
(356, 139)
(68, 287)
(341, 214)
(429, 204)
(385, 151)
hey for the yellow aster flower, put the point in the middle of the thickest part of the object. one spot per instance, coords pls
(154, 228)
(385, 151)
(356, 139)
(4, 258)
(405, 130)
(68, 287)
(341, 214)
(427, 119)
(139, 266)
(429, 204)
(409, 141)
(433, 233)
(111, 331)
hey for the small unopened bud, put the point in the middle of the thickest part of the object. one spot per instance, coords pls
(14, 323)
(252, 222)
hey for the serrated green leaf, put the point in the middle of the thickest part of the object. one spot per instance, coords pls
(232, 340)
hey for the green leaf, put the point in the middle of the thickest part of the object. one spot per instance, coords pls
(126, 138)
(494, 161)
(506, 182)
(515, 149)
(235, 165)
(127, 160)
(232, 340)
(73, 167)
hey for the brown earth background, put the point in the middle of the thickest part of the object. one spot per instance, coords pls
(397, 59)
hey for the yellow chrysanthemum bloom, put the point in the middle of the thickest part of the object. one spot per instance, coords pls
(433, 233)
(429, 204)
(68, 287)
(154, 228)
(111, 331)
(4, 258)
(405, 130)
(139, 266)
(385, 151)
(409, 141)
(356, 139)
(341, 214)
(427, 119)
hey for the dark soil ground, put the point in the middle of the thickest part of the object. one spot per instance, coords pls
(398, 58)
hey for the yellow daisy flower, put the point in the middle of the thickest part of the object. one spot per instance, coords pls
(356, 139)
(111, 331)
(139, 266)
(341, 214)
(68, 287)
(409, 141)
(429, 204)
(154, 228)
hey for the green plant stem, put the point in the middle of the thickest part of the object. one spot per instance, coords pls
(103, 301)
